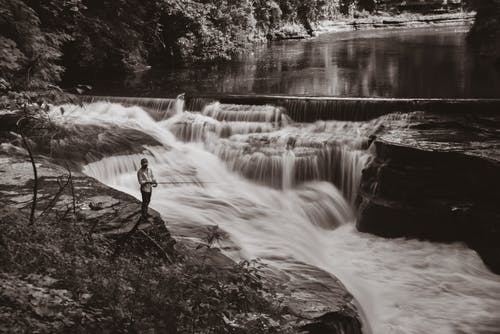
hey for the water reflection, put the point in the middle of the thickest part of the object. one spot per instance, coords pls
(397, 63)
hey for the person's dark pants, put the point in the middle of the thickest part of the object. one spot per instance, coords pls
(146, 198)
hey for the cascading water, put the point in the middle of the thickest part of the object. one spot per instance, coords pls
(159, 108)
(276, 204)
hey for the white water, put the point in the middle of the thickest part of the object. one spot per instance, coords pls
(404, 286)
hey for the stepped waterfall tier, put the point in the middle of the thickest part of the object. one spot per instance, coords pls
(287, 192)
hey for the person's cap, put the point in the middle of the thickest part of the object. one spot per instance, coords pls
(144, 161)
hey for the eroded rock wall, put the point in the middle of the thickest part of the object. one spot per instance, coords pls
(485, 34)
(437, 179)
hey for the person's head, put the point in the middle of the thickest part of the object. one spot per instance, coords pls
(144, 163)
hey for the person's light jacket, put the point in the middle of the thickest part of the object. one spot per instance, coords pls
(145, 176)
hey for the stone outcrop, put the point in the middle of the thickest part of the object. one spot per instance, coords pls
(104, 211)
(436, 178)
(316, 301)
(407, 20)
(485, 34)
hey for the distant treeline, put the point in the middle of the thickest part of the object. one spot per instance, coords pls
(42, 40)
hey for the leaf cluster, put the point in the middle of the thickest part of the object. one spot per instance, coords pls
(28, 51)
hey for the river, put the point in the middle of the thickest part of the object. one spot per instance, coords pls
(293, 204)
(427, 62)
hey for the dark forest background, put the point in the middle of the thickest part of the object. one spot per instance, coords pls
(45, 41)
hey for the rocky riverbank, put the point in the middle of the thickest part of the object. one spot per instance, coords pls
(376, 21)
(436, 177)
(407, 20)
(81, 248)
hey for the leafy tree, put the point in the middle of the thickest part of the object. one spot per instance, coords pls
(30, 55)
(369, 5)
(205, 31)
(268, 14)
(347, 6)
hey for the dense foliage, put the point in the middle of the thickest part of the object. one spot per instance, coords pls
(56, 278)
(40, 39)
(29, 53)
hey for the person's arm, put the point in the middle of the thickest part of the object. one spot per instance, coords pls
(153, 178)
(141, 178)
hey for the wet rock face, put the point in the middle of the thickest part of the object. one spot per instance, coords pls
(485, 34)
(438, 179)
(319, 301)
(102, 210)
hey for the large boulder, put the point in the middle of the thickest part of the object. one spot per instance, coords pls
(437, 178)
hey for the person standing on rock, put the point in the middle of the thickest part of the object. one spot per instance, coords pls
(147, 181)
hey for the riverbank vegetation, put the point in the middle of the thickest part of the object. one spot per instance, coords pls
(47, 42)
(57, 278)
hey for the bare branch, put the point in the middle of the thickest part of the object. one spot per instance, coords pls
(35, 173)
(72, 188)
(56, 197)
(165, 254)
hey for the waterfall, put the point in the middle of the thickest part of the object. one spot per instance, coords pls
(311, 109)
(291, 203)
(252, 140)
(158, 108)
(307, 109)
(304, 110)
(190, 126)
(288, 169)
(244, 113)
(198, 103)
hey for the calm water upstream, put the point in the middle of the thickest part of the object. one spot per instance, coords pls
(430, 62)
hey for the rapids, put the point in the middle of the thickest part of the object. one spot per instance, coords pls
(285, 204)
